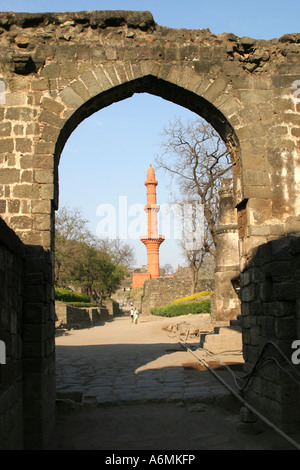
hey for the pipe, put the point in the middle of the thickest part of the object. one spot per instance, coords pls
(247, 405)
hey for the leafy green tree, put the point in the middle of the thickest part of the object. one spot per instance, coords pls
(96, 273)
(95, 266)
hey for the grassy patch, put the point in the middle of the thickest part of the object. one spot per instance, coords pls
(175, 310)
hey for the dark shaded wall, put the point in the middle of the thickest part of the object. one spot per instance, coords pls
(27, 379)
(270, 294)
(11, 317)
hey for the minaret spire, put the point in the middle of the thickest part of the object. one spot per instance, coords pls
(153, 240)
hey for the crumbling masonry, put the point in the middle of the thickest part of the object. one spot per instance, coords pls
(58, 69)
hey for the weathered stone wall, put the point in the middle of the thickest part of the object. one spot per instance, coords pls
(56, 69)
(270, 286)
(11, 318)
(27, 380)
(162, 291)
(39, 385)
(112, 307)
(79, 317)
(226, 300)
(59, 68)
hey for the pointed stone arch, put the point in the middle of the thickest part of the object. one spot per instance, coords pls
(57, 69)
(100, 87)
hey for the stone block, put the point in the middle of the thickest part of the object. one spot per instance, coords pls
(263, 230)
(9, 175)
(26, 161)
(111, 73)
(83, 52)
(69, 70)
(287, 291)
(25, 191)
(282, 271)
(43, 176)
(27, 176)
(248, 293)
(286, 328)
(5, 129)
(266, 291)
(22, 114)
(65, 52)
(35, 313)
(23, 145)
(44, 148)
(35, 333)
(255, 178)
(51, 118)
(41, 207)
(41, 222)
(102, 78)
(51, 71)
(46, 191)
(80, 89)
(49, 133)
(70, 97)
(13, 206)
(91, 82)
(7, 145)
(215, 89)
(52, 106)
(21, 222)
(121, 72)
(2, 206)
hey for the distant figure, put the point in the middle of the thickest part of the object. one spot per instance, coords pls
(135, 316)
(131, 314)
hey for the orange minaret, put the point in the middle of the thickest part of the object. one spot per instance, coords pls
(152, 240)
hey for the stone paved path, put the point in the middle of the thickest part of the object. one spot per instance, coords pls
(143, 391)
(122, 362)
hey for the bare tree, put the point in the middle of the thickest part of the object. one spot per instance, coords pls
(195, 156)
(121, 253)
(70, 232)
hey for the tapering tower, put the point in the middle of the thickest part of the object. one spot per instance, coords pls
(152, 241)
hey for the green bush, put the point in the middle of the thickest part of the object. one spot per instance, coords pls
(175, 310)
(67, 295)
(82, 304)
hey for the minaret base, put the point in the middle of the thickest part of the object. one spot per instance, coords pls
(152, 245)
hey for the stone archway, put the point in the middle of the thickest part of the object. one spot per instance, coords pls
(57, 69)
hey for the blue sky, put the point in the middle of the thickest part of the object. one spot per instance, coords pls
(107, 156)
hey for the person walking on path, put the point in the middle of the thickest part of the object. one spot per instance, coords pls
(135, 316)
(131, 314)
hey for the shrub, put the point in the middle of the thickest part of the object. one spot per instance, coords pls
(192, 297)
(82, 304)
(67, 295)
(175, 310)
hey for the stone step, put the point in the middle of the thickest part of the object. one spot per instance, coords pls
(226, 338)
